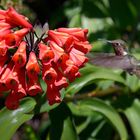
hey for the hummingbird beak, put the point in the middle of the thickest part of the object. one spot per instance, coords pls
(108, 41)
(105, 41)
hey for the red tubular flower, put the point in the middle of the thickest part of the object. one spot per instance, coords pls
(45, 54)
(14, 39)
(63, 40)
(12, 101)
(61, 81)
(70, 70)
(12, 80)
(4, 76)
(49, 75)
(2, 14)
(4, 29)
(84, 47)
(21, 91)
(32, 66)
(78, 33)
(4, 32)
(33, 87)
(59, 38)
(4, 25)
(14, 18)
(3, 48)
(77, 57)
(2, 62)
(25, 55)
(20, 56)
(58, 52)
(53, 94)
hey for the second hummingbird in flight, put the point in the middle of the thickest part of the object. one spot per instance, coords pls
(121, 59)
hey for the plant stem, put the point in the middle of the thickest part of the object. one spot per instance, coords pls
(97, 93)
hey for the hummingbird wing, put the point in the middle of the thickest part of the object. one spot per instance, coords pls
(110, 60)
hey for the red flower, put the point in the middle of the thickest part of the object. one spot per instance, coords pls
(61, 80)
(58, 51)
(21, 91)
(53, 94)
(20, 56)
(2, 63)
(49, 75)
(77, 57)
(32, 66)
(61, 39)
(4, 32)
(45, 54)
(70, 70)
(12, 17)
(33, 87)
(25, 57)
(13, 39)
(77, 33)
(3, 48)
(12, 101)
(84, 47)
(12, 81)
(4, 75)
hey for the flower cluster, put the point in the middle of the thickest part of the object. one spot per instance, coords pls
(57, 56)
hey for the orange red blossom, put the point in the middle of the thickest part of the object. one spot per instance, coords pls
(56, 56)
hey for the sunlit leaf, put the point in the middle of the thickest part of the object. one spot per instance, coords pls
(89, 78)
(11, 120)
(109, 113)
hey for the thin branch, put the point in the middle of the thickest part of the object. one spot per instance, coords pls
(98, 93)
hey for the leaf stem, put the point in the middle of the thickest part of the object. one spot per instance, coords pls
(97, 93)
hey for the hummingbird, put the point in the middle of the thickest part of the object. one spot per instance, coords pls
(121, 58)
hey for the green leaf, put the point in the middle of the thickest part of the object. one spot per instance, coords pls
(89, 78)
(11, 120)
(133, 115)
(103, 131)
(132, 82)
(76, 109)
(75, 21)
(62, 127)
(120, 17)
(108, 112)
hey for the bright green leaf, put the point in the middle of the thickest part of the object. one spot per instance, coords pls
(133, 115)
(10, 121)
(108, 112)
(89, 78)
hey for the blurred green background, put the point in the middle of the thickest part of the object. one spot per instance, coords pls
(103, 104)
